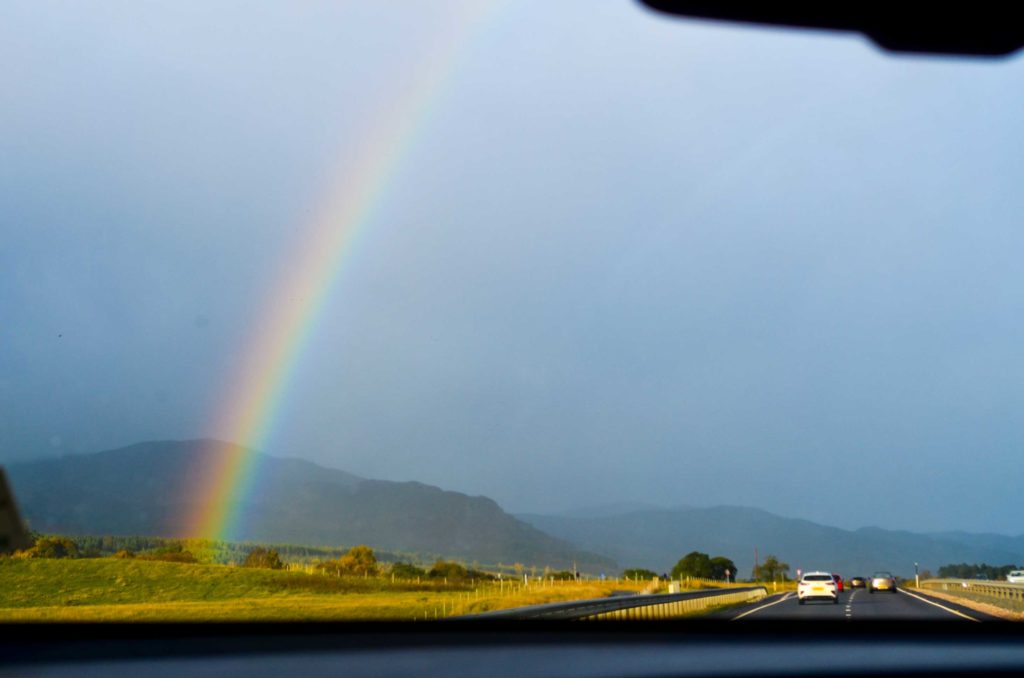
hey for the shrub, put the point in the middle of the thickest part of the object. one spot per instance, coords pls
(172, 553)
(407, 571)
(263, 558)
(448, 570)
(53, 547)
(359, 561)
(124, 553)
(562, 575)
(478, 574)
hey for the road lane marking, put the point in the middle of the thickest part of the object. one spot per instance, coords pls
(849, 605)
(947, 609)
(740, 616)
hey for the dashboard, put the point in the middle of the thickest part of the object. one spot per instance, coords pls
(683, 648)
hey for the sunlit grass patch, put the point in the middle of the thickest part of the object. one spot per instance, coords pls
(113, 589)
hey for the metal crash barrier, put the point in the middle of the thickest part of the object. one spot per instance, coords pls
(1002, 594)
(656, 606)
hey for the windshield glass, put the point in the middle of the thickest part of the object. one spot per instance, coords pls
(412, 310)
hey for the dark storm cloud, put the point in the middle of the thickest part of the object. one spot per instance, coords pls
(626, 259)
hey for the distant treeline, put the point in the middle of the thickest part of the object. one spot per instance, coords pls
(240, 553)
(975, 571)
(224, 552)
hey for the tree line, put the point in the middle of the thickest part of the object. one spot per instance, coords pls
(704, 566)
(975, 571)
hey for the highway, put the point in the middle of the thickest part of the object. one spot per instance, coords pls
(857, 605)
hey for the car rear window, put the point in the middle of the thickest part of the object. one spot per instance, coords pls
(817, 577)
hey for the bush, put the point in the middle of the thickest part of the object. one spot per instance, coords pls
(53, 547)
(478, 574)
(974, 571)
(124, 553)
(359, 561)
(260, 557)
(638, 573)
(448, 570)
(563, 575)
(407, 571)
(172, 553)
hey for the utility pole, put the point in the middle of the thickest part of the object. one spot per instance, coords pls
(757, 565)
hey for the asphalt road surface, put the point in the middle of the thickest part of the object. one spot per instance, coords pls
(858, 605)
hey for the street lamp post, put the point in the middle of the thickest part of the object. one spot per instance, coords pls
(917, 577)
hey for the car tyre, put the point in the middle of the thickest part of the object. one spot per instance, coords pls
(871, 590)
(800, 601)
(835, 601)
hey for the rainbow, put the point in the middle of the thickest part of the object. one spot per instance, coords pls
(225, 477)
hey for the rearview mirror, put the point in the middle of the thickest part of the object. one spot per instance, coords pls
(981, 29)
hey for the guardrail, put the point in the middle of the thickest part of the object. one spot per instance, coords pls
(1002, 594)
(656, 606)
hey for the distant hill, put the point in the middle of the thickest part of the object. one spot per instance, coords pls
(606, 510)
(656, 539)
(149, 488)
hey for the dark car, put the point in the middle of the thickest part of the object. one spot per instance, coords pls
(858, 583)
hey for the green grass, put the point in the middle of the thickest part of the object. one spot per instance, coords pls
(99, 581)
(109, 589)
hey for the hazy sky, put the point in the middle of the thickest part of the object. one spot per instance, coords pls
(625, 258)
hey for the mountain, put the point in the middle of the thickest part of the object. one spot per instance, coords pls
(151, 488)
(607, 510)
(656, 539)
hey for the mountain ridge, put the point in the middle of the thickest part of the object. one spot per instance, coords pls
(151, 488)
(657, 539)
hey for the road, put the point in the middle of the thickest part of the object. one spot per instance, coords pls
(857, 605)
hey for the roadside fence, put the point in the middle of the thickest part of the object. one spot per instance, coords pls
(1001, 594)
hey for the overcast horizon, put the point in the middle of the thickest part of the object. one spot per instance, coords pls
(622, 257)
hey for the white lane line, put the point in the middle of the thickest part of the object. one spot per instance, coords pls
(943, 607)
(740, 616)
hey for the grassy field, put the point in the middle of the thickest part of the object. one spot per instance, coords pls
(110, 589)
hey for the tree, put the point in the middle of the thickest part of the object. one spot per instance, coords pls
(171, 552)
(638, 573)
(447, 570)
(720, 565)
(975, 571)
(771, 570)
(694, 564)
(359, 561)
(263, 558)
(562, 575)
(407, 571)
(53, 547)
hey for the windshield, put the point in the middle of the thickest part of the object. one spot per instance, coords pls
(415, 310)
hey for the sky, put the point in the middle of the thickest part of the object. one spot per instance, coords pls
(620, 258)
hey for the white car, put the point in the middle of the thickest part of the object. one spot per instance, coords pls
(1016, 577)
(817, 586)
